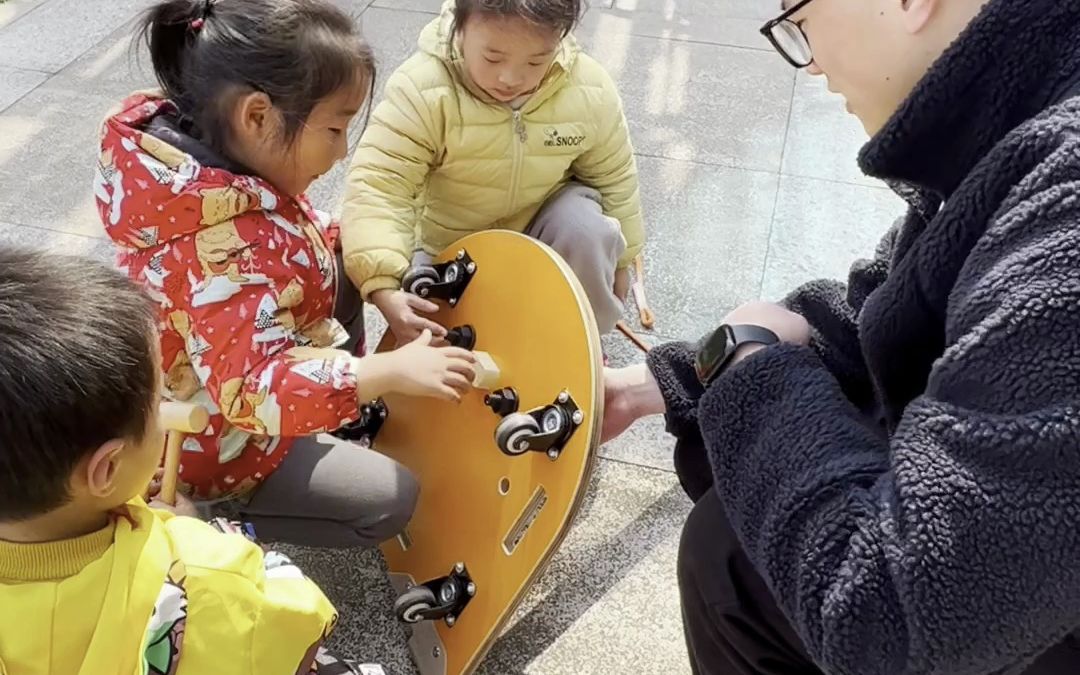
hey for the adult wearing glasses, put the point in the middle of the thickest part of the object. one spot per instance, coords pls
(887, 473)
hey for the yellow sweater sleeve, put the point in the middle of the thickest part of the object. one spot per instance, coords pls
(389, 169)
(609, 167)
(248, 612)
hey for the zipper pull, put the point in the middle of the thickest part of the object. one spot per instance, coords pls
(519, 127)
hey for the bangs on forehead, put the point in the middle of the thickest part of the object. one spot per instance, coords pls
(560, 16)
(333, 67)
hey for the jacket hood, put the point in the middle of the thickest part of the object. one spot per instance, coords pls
(177, 175)
(437, 39)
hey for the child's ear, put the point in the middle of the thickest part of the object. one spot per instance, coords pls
(102, 467)
(254, 116)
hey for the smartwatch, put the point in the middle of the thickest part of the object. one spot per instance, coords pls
(715, 350)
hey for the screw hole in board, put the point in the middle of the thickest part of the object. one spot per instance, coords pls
(504, 486)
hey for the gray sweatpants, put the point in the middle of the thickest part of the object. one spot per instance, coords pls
(574, 225)
(329, 492)
(332, 493)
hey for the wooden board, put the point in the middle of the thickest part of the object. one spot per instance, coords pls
(502, 516)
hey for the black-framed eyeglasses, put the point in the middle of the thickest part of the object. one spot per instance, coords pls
(788, 37)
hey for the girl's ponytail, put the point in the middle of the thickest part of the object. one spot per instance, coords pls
(207, 53)
(169, 28)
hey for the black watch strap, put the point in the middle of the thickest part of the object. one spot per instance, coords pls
(748, 334)
(716, 350)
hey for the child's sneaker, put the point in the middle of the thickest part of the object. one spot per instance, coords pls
(328, 663)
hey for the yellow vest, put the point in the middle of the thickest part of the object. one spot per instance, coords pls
(441, 159)
(153, 592)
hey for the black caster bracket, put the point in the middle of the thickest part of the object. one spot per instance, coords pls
(547, 429)
(442, 281)
(443, 598)
(364, 430)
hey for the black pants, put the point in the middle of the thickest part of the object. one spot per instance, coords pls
(732, 623)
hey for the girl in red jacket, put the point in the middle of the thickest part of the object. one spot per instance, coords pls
(201, 188)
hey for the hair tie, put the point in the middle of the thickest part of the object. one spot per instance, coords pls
(200, 21)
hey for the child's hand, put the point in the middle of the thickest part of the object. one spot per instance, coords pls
(400, 310)
(182, 507)
(418, 369)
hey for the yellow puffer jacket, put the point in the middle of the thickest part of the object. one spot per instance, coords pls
(441, 159)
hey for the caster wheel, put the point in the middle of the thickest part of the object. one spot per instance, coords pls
(419, 279)
(413, 601)
(514, 431)
(554, 419)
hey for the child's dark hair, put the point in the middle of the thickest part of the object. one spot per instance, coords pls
(559, 15)
(76, 371)
(207, 53)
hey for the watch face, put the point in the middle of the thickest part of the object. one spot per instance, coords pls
(713, 352)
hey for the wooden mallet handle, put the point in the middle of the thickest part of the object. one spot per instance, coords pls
(648, 319)
(178, 419)
(632, 336)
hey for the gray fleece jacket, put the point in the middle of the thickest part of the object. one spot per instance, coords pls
(909, 485)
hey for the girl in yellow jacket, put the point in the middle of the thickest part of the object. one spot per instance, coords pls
(498, 121)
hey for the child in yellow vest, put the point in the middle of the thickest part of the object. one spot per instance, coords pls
(498, 121)
(92, 580)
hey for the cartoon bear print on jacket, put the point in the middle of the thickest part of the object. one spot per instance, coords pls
(223, 204)
(240, 407)
(221, 250)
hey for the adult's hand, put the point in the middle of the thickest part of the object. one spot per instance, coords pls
(632, 393)
(629, 394)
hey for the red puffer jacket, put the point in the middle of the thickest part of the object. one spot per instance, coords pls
(242, 274)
